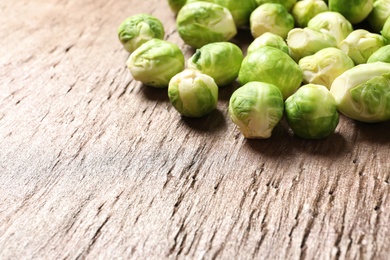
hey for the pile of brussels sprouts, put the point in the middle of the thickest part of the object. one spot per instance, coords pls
(308, 61)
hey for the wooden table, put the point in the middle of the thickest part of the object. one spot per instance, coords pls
(96, 166)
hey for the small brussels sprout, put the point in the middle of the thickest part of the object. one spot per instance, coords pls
(273, 66)
(363, 92)
(268, 39)
(379, 14)
(288, 4)
(176, 5)
(240, 10)
(192, 93)
(382, 54)
(332, 23)
(270, 17)
(360, 44)
(256, 108)
(138, 29)
(385, 32)
(355, 11)
(311, 112)
(220, 60)
(200, 23)
(303, 11)
(324, 66)
(303, 42)
(155, 62)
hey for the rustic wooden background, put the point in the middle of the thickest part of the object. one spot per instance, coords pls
(95, 165)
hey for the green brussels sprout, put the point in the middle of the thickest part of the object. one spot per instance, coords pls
(176, 5)
(273, 66)
(268, 39)
(256, 108)
(332, 23)
(311, 112)
(354, 10)
(303, 42)
(385, 32)
(360, 44)
(271, 17)
(288, 4)
(324, 66)
(379, 14)
(212, 59)
(382, 54)
(192, 93)
(155, 62)
(200, 23)
(363, 92)
(138, 29)
(303, 11)
(240, 10)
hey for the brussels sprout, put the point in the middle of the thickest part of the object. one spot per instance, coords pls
(354, 10)
(220, 60)
(324, 66)
(288, 4)
(273, 66)
(303, 42)
(386, 30)
(192, 93)
(303, 11)
(256, 108)
(200, 23)
(271, 17)
(138, 29)
(360, 44)
(240, 10)
(268, 39)
(363, 92)
(176, 5)
(379, 14)
(331, 23)
(155, 62)
(382, 54)
(311, 112)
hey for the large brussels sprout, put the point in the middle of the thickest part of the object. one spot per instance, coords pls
(268, 39)
(324, 66)
(220, 60)
(379, 14)
(303, 11)
(288, 4)
(311, 112)
(200, 23)
(361, 44)
(256, 108)
(240, 10)
(155, 62)
(192, 93)
(363, 92)
(138, 29)
(303, 42)
(332, 23)
(382, 54)
(270, 17)
(273, 66)
(354, 10)
(385, 32)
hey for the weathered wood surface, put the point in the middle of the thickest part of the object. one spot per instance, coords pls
(95, 165)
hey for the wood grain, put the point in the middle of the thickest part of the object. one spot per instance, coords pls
(96, 166)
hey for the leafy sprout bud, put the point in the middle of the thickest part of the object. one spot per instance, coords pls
(256, 108)
(379, 14)
(220, 60)
(385, 32)
(382, 54)
(138, 29)
(270, 17)
(288, 4)
(155, 62)
(355, 11)
(192, 93)
(200, 23)
(303, 11)
(311, 112)
(268, 39)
